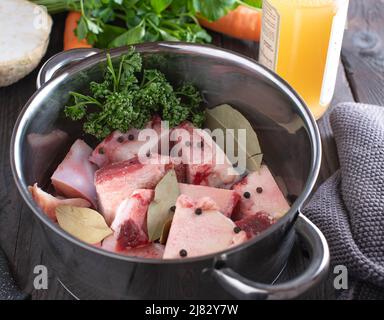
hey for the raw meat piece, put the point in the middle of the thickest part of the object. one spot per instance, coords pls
(198, 229)
(48, 203)
(206, 162)
(149, 251)
(74, 177)
(130, 223)
(225, 199)
(119, 146)
(256, 223)
(260, 192)
(44, 151)
(117, 181)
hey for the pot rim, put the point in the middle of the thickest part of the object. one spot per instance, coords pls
(171, 47)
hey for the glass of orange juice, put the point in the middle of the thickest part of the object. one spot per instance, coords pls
(301, 41)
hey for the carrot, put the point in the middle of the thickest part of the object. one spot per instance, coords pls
(70, 39)
(242, 23)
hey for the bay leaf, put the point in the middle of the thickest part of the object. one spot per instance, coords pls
(165, 231)
(83, 223)
(226, 117)
(254, 162)
(166, 194)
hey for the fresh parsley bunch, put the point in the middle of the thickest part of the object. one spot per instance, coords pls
(115, 23)
(129, 96)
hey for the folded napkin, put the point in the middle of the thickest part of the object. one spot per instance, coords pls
(349, 207)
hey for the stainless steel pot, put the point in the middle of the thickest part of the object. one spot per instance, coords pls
(289, 139)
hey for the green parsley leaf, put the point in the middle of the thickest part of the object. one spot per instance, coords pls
(160, 5)
(129, 96)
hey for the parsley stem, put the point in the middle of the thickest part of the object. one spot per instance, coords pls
(172, 25)
(82, 8)
(84, 97)
(120, 70)
(153, 25)
(189, 15)
(111, 69)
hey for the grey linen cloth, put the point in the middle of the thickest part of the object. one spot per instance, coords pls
(349, 207)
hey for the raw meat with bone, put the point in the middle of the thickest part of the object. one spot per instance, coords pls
(260, 192)
(225, 199)
(125, 146)
(117, 181)
(74, 176)
(149, 251)
(198, 229)
(44, 151)
(256, 223)
(130, 223)
(48, 203)
(206, 163)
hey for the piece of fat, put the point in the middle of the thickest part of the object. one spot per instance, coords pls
(24, 36)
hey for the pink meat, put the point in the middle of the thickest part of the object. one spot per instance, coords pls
(119, 146)
(130, 223)
(116, 182)
(45, 149)
(48, 203)
(73, 178)
(260, 192)
(255, 224)
(198, 229)
(149, 251)
(206, 162)
(226, 200)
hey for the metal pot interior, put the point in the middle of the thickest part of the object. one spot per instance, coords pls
(287, 133)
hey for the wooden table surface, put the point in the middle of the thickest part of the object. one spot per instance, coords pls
(360, 79)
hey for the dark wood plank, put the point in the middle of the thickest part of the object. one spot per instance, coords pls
(330, 162)
(18, 235)
(363, 50)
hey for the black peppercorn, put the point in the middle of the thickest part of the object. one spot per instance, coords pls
(101, 151)
(247, 195)
(236, 229)
(259, 189)
(183, 253)
(148, 154)
(131, 137)
(198, 211)
(187, 143)
(172, 209)
(120, 139)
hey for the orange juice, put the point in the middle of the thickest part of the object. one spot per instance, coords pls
(301, 41)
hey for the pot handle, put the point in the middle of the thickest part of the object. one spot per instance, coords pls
(243, 288)
(55, 64)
